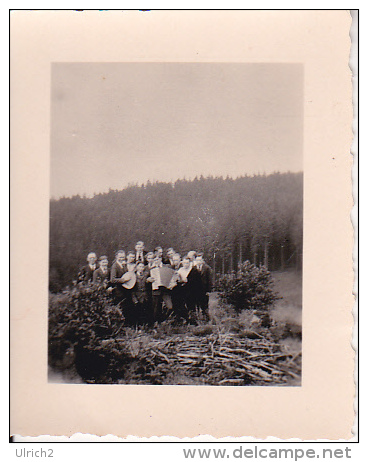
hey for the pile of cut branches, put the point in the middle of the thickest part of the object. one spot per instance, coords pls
(221, 358)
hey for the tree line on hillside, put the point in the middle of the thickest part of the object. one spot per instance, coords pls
(257, 218)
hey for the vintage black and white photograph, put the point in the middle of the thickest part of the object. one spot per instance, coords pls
(176, 224)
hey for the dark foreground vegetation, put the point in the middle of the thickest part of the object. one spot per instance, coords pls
(252, 344)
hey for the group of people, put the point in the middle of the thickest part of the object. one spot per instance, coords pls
(150, 286)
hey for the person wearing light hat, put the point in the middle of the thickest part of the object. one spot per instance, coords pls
(85, 275)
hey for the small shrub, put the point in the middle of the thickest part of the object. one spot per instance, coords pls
(250, 288)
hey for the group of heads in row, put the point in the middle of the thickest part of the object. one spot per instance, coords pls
(151, 259)
(132, 281)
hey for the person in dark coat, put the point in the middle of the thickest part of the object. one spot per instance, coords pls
(189, 280)
(123, 296)
(101, 276)
(140, 296)
(205, 286)
(150, 258)
(130, 261)
(177, 290)
(118, 269)
(85, 275)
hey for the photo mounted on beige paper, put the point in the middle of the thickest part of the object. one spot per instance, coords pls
(187, 199)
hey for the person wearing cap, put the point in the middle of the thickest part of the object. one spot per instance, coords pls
(85, 275)
(101, 276)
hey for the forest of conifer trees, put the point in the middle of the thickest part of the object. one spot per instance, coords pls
(257, 218)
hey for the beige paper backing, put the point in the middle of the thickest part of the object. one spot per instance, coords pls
(323, 406)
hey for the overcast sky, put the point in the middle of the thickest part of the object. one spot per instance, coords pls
(118, 123)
